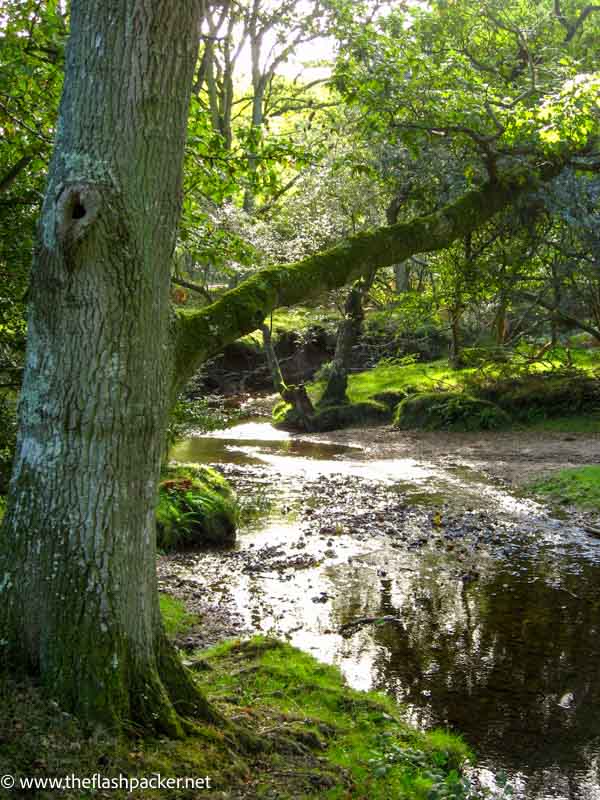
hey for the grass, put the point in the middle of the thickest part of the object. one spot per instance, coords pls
(175, 617)
(319, 738)
(390, 378)
(579, 487)
(365, 748)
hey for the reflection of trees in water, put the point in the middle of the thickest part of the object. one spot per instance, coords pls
(492, 658)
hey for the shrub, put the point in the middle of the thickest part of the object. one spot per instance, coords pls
(534, 395)
(196, 507)
(453, 411)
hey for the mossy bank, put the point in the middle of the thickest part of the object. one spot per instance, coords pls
(561, 392)
(196, 508)
(317, 738)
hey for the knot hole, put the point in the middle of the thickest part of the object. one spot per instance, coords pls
(78, 211)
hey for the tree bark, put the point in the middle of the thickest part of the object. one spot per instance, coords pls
(402, 277)
(78, 596)
(348, 334)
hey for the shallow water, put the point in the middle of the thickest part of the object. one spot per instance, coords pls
(497, 602)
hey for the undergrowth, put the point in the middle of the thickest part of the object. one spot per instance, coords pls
(196, 507)
(342, 743)
(557, 390)
(579, 487)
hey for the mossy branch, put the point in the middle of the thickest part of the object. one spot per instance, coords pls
(203, 333)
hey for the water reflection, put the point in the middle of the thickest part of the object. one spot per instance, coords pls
(511, 660)
(500, 643)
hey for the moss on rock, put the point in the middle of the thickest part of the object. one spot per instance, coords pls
(196, 507)
(453, 411)
(551, 394)
(331, 418)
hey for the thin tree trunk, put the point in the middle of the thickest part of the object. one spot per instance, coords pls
(272, 360)
(455, 337)
(402, 277)
(78, 594)
(297, 396)
(557, 298)
(348, 334)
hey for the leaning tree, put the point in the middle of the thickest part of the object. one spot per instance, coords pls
(106, 358)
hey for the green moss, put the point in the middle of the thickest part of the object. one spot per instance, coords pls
(550, 395)
(175, 617)
(315, 738)
(366, 747)
(392, 378)
(331, 418)
(576, 423)
(579, 487)
(196, 507)
(453, 411)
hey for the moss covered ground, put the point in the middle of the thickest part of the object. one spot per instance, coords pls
(540, 397)
(578, 487)
(319, 738)
(176, 618)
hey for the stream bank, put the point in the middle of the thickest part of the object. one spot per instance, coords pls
(406, 560)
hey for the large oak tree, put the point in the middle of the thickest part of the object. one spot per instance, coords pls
(106, 358)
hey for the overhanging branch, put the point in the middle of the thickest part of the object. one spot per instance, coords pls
(205, 332)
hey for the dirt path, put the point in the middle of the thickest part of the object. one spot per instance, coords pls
(516, 458)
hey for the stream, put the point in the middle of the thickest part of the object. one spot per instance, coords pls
(492, 603)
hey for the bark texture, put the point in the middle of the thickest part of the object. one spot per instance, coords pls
(348, 334)
(78, 598)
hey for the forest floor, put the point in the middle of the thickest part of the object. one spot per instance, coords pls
(514, 457)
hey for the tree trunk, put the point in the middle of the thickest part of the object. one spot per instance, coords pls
(297, 396)
(402, 277)
(272, 360)
(455, 355)
(348, 334)
(78, 596)
(557, 299)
